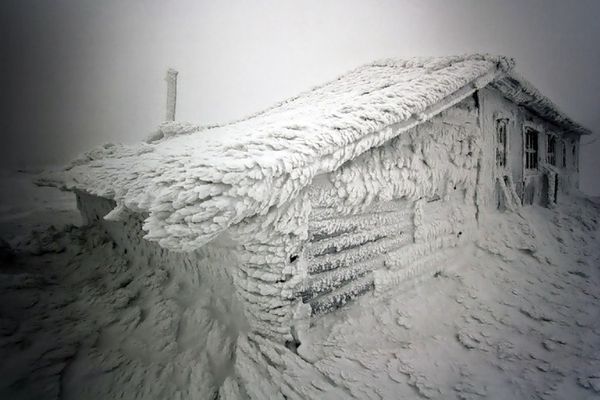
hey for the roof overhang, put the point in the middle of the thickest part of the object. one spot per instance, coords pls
(523, 93)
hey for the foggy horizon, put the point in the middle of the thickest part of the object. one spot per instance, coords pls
(77, 74)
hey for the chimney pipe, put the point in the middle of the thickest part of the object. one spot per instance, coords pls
(171, 79)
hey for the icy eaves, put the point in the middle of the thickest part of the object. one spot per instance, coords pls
(521, 92)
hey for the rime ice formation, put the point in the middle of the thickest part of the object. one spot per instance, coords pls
(371, 225)
(376, 179)
(194, 186)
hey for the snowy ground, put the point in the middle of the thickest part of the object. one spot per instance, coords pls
(519, 319)
(25, 207)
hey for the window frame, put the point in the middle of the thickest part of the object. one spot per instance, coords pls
(551, 138)
(502, 120)
(531, 148)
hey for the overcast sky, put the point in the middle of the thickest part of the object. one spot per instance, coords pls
(77, 73)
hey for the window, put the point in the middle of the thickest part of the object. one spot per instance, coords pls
(501, 143)
(551, 151)
(574, 150)
(531, 148)
(564, 154)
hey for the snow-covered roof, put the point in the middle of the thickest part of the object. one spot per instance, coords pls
(194, 182)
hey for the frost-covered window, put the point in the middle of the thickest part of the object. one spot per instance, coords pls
(531, 148)
(551, 150)
(501, 141)
(564, 154)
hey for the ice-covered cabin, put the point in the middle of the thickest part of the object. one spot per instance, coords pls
(375, 179)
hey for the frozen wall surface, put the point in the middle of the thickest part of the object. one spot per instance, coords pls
(538, 185)
(396, 213)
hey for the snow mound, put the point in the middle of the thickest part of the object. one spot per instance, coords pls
(518, 320)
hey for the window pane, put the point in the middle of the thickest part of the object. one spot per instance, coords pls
(531, 148)
(501, 142)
